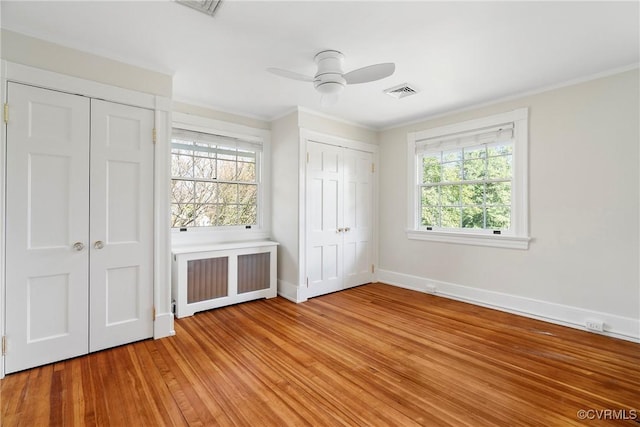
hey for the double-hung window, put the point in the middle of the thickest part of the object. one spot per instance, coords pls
(215, 180)
(468, 182)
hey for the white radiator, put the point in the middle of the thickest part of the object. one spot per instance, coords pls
(211, 276)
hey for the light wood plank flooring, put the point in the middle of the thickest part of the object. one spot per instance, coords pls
(375, 355)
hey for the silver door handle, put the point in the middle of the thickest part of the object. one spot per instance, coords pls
(98, 244)
(340, 230)
(347, 229)
(78, 246)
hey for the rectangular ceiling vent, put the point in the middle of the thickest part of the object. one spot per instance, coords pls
(205, 6)
(401, 91)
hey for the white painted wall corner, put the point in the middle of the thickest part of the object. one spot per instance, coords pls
(163, 326)
(290, 291)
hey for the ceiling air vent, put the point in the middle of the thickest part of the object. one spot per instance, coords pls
(401, 91)
(205, 6)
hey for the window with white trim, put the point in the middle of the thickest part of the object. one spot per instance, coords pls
(215, 180)
(468, 182)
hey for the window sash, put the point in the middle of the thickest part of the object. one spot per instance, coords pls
(198, 145)
(517, 237)
(437, 151)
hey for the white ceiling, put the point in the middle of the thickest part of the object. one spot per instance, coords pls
(458, 54)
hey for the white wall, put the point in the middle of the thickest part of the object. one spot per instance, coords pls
(39, 53)
(310, 120)
(196, 110)
(583, 213)
(285, 150)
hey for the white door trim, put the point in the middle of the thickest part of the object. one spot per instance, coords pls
(10, 71)
(310, 135)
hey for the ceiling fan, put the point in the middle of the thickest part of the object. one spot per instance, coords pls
(330, 80)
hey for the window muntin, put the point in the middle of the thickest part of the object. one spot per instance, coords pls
(466, 188)
(501, 142)
(449, 141)
(215, 181)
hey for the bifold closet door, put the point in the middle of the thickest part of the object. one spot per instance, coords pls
(324, 219)
(47, 227)
(339, 218)
(121, 226)
(357, 217)
(79, 226)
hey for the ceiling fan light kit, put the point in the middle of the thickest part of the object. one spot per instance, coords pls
(330, 79)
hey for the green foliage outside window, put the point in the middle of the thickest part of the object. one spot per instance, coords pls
(467, 188)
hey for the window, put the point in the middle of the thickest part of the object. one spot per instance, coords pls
(468, 182)
(215, 180)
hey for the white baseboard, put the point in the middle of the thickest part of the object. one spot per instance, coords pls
(625, 328)
(163, 326)
(290, 291)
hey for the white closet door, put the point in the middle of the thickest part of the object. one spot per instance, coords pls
(339, 218)
(324, 219)
(47, 226)
(121, 236)
(358, 214)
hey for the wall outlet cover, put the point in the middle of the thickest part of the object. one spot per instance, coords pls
(595, 325)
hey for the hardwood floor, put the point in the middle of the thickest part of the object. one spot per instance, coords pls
(376, 355)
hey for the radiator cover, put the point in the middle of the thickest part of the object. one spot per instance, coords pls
(206, 277)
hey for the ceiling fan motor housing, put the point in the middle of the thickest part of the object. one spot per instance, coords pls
(329, 78)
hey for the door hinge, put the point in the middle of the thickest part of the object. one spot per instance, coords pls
(154, 135)
(4, 345)
(307, 157)
(307, 282)
(373, 167)
(6, 113)
(373, 268)
(154, 313)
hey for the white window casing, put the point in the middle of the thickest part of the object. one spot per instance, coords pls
(240, 137)
(510, 126)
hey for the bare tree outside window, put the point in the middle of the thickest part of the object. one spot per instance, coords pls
(213, 185)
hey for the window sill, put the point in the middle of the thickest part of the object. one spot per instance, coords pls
(214, 235)
(496, 241)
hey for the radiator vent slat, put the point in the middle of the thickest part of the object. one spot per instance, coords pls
(253, 272)
(207, 279)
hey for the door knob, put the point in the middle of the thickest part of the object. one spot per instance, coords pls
(347, 229)
(78, 246)
(339, 230)
(98, 244)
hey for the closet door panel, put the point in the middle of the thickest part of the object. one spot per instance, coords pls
(121, 294)
(47, 226)
(357, 217)
(324, 216)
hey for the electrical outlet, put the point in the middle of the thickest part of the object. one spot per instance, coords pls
(595, 325)
(430, 289)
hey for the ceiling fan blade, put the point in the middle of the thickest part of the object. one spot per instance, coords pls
(290, 74)
(370, 73)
